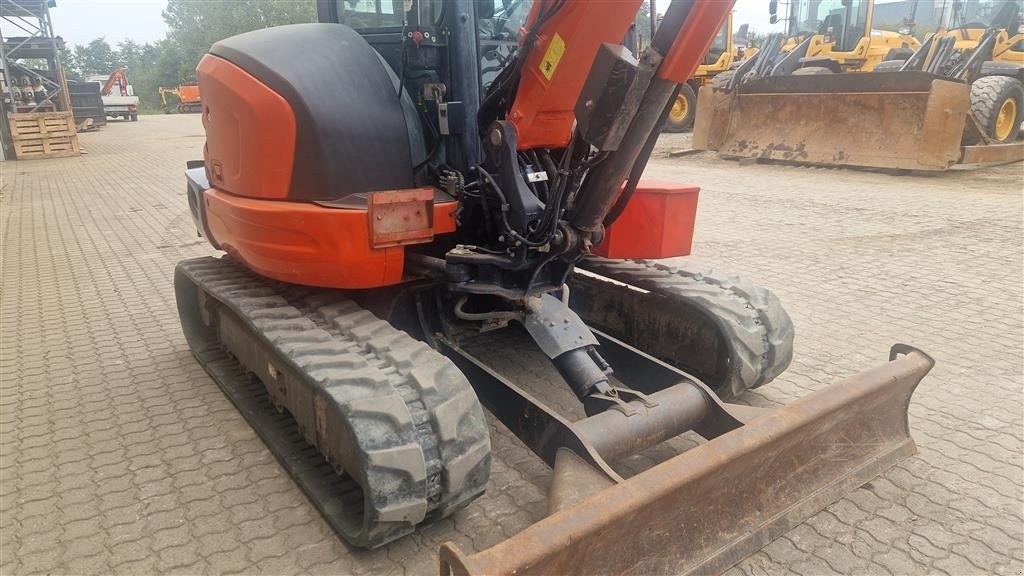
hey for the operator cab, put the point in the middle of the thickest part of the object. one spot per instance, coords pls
(416, 39)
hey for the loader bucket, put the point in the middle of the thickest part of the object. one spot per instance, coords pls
(708, 508)
(895, 120)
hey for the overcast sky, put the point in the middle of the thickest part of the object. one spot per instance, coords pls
(80, 21)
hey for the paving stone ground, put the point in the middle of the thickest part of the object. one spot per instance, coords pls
(119, 455)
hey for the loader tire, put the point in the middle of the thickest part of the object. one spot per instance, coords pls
(812, 71)
(997, 104)
(680, 116)
(401, 430)
(754, 332)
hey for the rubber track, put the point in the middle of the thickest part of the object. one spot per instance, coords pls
(382, 408)
(987, 96)
(752, 319)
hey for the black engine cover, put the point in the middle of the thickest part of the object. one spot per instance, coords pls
(351, 134)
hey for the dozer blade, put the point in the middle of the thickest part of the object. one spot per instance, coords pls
(708, 508)
(894, 120)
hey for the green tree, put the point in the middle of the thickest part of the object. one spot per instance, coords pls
(96, 57)
(67, 60)
(642, 25)
(194, 26)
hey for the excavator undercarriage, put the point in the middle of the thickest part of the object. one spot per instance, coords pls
(381, 242)
(333, 389)
(384, 432)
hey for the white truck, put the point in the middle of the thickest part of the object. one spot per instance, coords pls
(119, 101)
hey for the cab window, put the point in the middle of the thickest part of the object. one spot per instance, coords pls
(363, 14)
(499, 35)
(719, 45)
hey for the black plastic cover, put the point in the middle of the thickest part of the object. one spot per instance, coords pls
(351, 134)
(601, 109)
(999, 68)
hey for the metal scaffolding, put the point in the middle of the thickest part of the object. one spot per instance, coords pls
(28, 48)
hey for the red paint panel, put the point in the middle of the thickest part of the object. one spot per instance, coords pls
(543, 110)
(304, 243)
(693, 41)
(657, 223)
(250, 131)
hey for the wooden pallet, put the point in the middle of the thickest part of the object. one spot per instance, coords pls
(51, 147)
(43, 135)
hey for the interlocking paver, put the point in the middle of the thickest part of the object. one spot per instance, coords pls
(119, 455)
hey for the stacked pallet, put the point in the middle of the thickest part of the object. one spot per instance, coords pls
(43, 135)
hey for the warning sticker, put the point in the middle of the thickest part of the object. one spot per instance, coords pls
(552, 57)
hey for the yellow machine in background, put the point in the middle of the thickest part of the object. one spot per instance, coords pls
(188, 97)
(822, 37)
(837, 36)
(956, 100)
(997, 92)
(727, 50)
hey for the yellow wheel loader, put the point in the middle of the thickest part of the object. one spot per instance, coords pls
(728, 49)
(822, 37)
(997, 91)
(957, 100)
(837, 36)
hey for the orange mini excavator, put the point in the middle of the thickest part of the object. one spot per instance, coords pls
(406, 181)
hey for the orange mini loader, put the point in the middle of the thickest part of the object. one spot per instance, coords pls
(398, 183)
(188, 97)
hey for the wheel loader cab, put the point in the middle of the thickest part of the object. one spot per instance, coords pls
(839, 22)
(722, 44)
(837, 35)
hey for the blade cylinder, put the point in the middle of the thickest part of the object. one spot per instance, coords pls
(667, 414)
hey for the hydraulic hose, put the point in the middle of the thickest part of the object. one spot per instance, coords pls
(605, 182)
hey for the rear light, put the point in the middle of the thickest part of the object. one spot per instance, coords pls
(132, 107)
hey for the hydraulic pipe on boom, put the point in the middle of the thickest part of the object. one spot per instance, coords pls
(674, 54)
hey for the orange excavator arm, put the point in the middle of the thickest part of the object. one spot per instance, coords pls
(573, 83)
(118, 78)
(565, 45)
